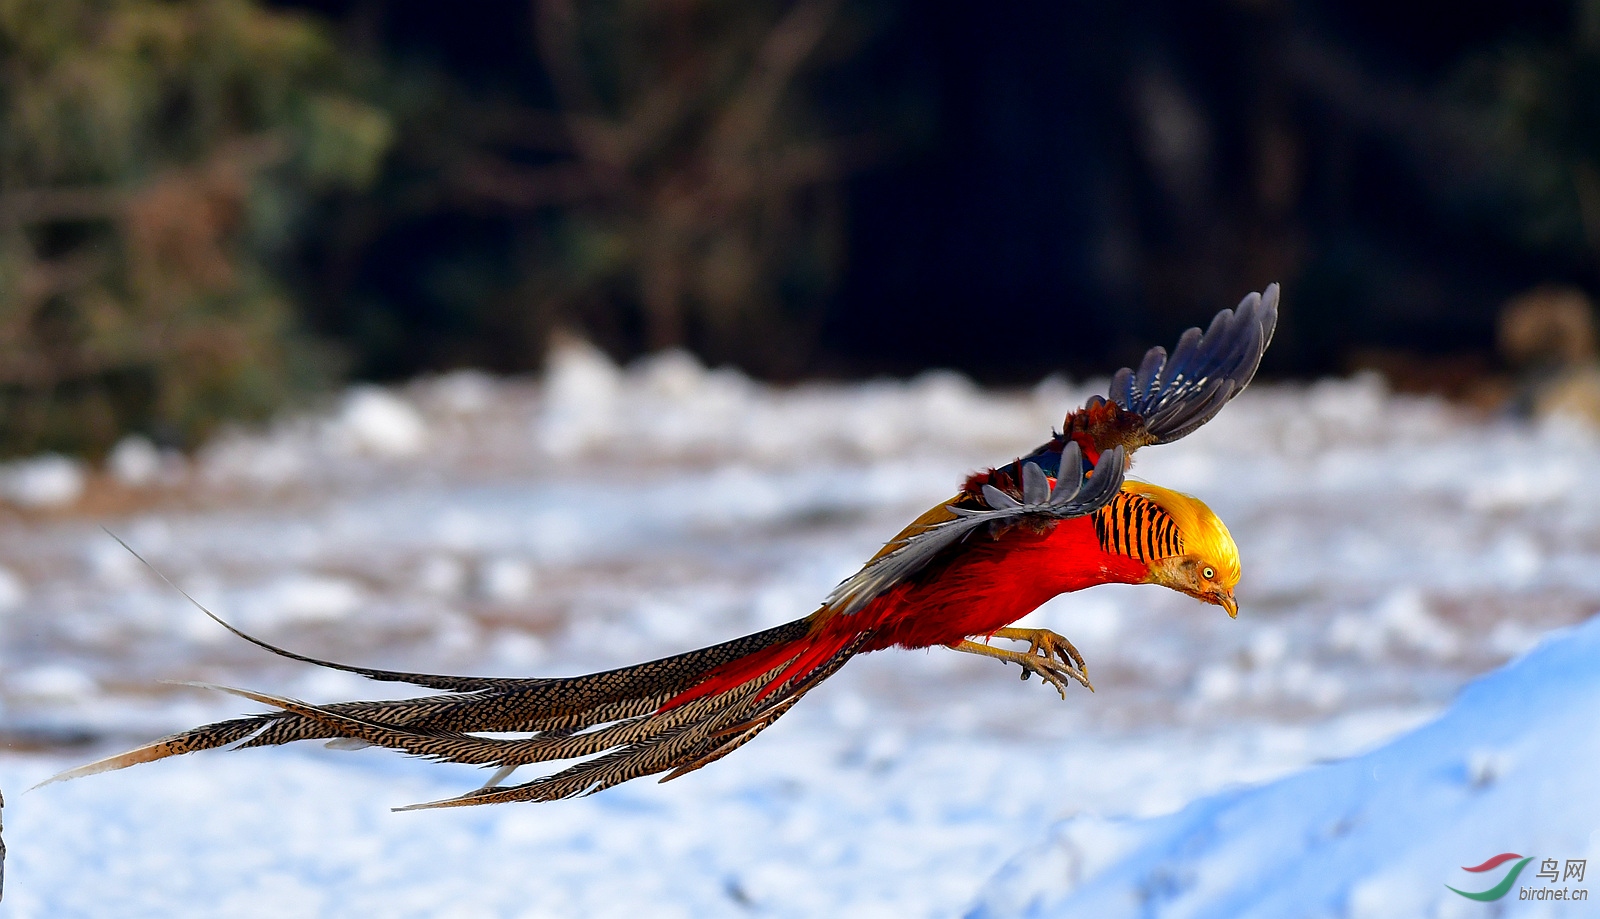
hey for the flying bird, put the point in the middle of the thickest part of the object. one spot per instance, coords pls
(1063, 518)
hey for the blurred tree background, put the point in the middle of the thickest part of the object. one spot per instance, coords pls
(208, 206)
(154, 158)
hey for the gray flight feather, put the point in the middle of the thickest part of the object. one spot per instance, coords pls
(1176, 394)
(1035, 487)
(1071, 497)
(997, 498)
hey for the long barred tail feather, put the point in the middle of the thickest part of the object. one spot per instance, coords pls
(633, 721)
(208, 737)
(546, 705)
(676, 740)
(683, 739)
(672, 715)
(541, 707)
(737, 736)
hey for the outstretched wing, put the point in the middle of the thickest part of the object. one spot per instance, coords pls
(1073, 495)
(1171, 395)
(1166, 398)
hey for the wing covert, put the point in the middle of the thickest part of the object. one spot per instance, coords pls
(1069, 498)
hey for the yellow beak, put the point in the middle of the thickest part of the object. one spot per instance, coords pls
(1227, 602)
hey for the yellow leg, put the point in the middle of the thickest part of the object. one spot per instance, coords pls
(1051, 643)
(1041, 657)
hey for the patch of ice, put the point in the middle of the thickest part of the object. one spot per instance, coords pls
(53, 681)
(1404, 615)
(1092, 622)
(1519, 485)
(462, 392)
(441, 575)
(1300, 680)
(674, 374)
(1054, 391)
(378, 422)
(300, 598)
(1401, 619)
(1511, 638)
(45, 481)
(517, 650)
(110, 564)
(1350, 403)
(1517, 559)
(134, 461)
(322, 685)
(12, 591)
(850, 711)
(506, 580)
(667, 622)
(1268, 646)
(271, 461)
(1563, 430)
(1076, 849)
(454, 633)
(582, 388)
(1219, 683)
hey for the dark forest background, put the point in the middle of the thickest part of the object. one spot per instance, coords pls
(208, 207)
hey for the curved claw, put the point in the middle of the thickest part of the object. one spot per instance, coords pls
(1054, 672)
(1049, 647)
(1048, 644)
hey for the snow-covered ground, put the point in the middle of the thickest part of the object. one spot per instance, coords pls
(1394, 548)
(1397, 833)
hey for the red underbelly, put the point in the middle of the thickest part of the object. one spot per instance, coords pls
(993, 583)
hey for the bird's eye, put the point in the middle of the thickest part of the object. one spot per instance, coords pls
(1208, 573)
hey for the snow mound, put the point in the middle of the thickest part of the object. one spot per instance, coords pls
(380, 423)
(135, 462)
(49, 480)
(1508, 768)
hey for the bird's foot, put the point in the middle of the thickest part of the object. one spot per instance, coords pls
(1050, 646)
(1050, 656)
(1052, 672)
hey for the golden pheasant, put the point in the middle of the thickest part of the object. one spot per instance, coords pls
(1060, 519)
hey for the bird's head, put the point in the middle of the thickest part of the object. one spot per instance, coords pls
(1208, 567)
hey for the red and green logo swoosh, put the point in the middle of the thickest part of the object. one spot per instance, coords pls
(1501, 889)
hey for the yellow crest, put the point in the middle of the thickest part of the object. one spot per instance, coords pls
(1203, 532)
